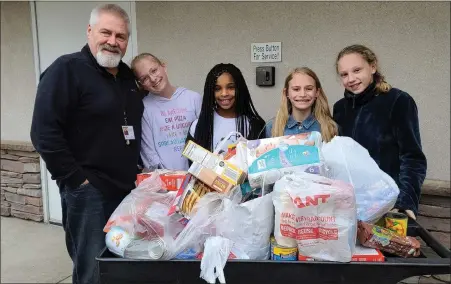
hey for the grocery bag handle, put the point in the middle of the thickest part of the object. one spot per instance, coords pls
(225, 139)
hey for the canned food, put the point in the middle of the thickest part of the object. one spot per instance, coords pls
(396, 222)
(117, 240)
(279, 252)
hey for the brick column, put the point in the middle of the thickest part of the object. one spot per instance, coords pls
(21, 192)
(434, 211)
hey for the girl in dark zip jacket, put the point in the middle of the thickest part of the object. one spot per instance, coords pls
(382, 119)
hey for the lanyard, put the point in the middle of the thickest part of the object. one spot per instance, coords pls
(127, 141)
(125, 118)
(123, 99)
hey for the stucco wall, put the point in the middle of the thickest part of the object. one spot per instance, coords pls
(412, 40)
(18, 81)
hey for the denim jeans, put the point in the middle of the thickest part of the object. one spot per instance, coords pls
(85, 213)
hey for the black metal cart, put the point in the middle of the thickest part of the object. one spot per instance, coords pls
(394, 269)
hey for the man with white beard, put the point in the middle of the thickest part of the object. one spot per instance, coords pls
(87, 128)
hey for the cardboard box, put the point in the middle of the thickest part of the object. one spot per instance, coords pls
(211, 178)
(361, 254)
(141, 177)
(211, 169)
(172, 181)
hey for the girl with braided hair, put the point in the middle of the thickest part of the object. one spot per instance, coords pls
(226, 107)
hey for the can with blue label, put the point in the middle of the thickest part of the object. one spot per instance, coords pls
(279, 252)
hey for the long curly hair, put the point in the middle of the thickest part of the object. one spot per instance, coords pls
(244, 108)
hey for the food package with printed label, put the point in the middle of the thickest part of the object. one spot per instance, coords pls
(172, 180)
(216, 173)
(316, 214)
(376, 237)
(270, 159)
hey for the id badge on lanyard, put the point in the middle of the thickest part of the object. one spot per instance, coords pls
(127, 130)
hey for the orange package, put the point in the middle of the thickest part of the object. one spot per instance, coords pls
(171, 180)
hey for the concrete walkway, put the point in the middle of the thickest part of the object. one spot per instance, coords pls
(33, 253)
(36, 253)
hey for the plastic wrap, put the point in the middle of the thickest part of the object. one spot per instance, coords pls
(376, 192)
(271, 158)
(142, 213)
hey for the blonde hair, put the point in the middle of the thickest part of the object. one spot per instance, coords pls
(139, 58)
(142, 56)
(381, 85)
(320, 108)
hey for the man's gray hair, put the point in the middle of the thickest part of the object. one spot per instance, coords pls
(109, 8)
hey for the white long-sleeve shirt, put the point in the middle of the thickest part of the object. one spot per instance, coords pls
(165, 125)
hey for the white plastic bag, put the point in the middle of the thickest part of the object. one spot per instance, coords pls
(142, 213)
(232, 138)
(217, 250)
(141, 221)
(376, 192)
(238, 159)
(202, 224)
(243, 229)
(249, 225)
(316, 214)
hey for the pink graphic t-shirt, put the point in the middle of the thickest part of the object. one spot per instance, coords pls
(165, 125)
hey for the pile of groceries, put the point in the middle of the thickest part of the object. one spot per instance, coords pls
(290, 198)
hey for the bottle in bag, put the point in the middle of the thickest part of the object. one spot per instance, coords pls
(156, 248)
(120, 243)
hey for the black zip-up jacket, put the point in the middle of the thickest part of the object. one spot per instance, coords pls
(77, 124)
(387, 126)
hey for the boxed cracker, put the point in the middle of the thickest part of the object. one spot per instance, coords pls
(220, 183)
(210, 168)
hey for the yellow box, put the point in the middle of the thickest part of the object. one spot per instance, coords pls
(211, 178)
(210, 168)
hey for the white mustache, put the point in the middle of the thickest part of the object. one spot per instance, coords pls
(110, 48)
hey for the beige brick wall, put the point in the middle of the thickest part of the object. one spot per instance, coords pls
(435, 210)
(21, 193)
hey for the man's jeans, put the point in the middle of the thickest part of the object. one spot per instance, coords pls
(85, 213)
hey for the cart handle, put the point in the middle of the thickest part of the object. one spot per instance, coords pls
(432, 242)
